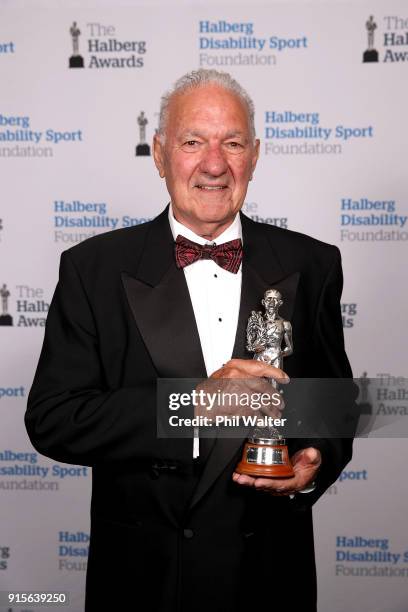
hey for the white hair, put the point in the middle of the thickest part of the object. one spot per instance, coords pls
(199, 78)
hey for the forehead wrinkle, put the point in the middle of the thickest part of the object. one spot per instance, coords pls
(238, 134)
(204, 133)
(194, 113)
(186, 133)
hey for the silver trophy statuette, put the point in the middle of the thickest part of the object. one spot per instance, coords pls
(266, 333)
(269, 337)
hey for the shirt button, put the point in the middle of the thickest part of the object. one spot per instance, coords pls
(219, 318)
(188, 533)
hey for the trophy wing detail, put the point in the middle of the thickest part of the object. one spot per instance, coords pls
(256, 333)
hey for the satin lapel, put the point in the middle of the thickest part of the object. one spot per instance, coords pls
(261, 270)
(160, 302)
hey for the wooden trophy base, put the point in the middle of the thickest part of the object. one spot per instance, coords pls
(269, 461)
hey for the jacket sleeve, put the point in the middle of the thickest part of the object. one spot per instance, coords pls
(71, 415)
(340, 414)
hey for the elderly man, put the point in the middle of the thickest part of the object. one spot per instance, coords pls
(173, 527)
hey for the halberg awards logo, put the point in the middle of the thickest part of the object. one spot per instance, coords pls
(30, 305)
(102, 48)
(393, 40)
(371, 54)
(5, 318)
(142, 148)
(76, 60)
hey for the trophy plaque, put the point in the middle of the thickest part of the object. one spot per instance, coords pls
(269, 337)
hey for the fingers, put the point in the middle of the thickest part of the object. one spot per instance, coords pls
(245, 377)
(278, 487)
(276, 406)
(243, 479)
(249, 368)
(237, 396)
(306, 464)
(271, 484)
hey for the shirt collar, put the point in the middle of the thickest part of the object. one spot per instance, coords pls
(232, 232)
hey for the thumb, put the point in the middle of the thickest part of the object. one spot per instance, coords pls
(308, 456)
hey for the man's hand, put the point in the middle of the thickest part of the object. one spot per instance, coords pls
(306, 463)
(250, 368)
(244, 376)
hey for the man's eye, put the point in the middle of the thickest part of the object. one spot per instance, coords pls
(191, 143)
(234, 145)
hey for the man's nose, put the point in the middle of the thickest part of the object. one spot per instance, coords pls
(214, 161)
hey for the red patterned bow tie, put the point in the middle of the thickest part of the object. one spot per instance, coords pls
(227, 255)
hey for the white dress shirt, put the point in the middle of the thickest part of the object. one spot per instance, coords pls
(215, 296)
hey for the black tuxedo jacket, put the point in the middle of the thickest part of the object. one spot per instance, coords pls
(164, 538)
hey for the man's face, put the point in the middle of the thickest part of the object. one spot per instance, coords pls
(207, 158)
(272, 301)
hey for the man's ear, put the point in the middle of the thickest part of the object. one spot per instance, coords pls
(255, 155)
(158, 154)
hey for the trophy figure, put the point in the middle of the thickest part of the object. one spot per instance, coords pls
(76, 60)
(269, 337)
(371, 54)
(5, 317)
(142, 148)
(364, 403)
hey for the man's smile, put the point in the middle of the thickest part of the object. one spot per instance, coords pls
(212, 187)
